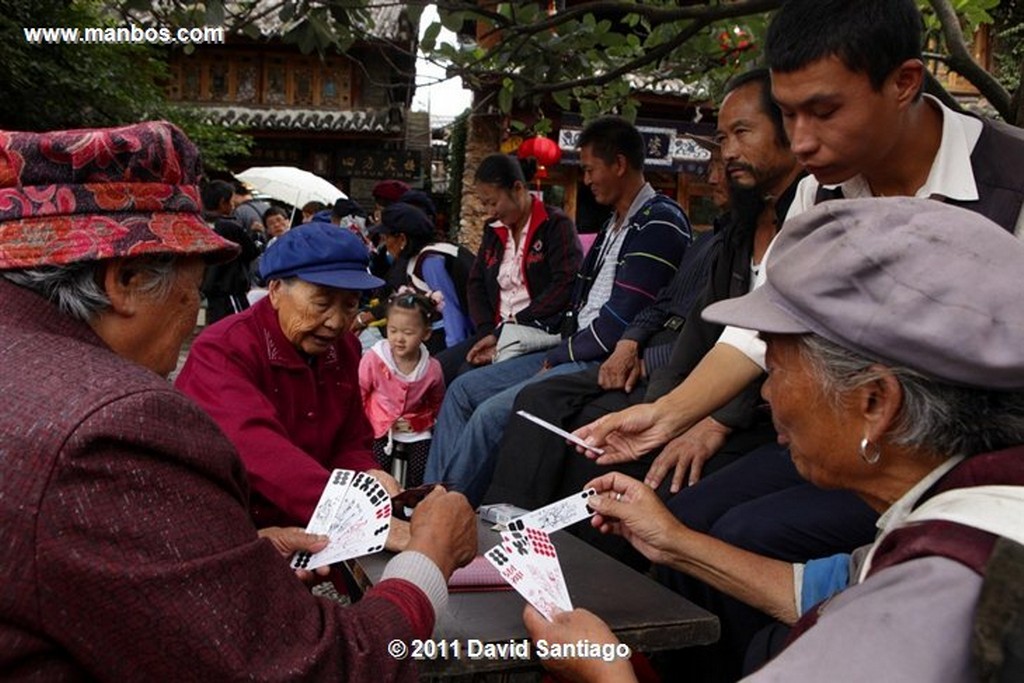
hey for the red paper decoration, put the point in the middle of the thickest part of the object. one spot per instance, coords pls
(544, 150)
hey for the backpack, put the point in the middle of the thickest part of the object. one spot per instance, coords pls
(458, 261)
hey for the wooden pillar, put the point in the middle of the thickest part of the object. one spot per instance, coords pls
(483, 137)
(572, 191)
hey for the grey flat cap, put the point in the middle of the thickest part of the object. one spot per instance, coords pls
(908, 282)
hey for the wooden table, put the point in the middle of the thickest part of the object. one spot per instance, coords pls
(642, 613)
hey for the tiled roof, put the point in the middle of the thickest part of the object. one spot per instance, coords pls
(386, 15)
(354, 121)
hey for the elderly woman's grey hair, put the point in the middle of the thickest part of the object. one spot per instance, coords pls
(76, 290)
(936, 417)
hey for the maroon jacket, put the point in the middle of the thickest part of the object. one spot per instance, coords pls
(291, 423)
(126, 550)
(552, 258)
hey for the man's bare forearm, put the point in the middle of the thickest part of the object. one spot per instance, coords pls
(720, 376)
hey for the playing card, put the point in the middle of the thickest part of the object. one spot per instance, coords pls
(568, 436)
(354, 511)
(331, 500)
(557, 515)
(537, 594)
(533, 551)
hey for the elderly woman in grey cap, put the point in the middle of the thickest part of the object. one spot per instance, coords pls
(896, 370)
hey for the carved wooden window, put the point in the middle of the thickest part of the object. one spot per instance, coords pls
(254, 79)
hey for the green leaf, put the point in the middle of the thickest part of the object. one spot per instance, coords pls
(505, 96)
(562, 99)
(413, 11)
(251, 31)
(214, 15)
(430, 37)
(451, 20)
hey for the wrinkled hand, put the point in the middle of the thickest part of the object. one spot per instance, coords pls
(625, 435)
(571, 627)
(638, 515)
(444, 529)
(622, 369)
(389, 483)
(290, 540)
(687, 453)
(398, 536)
(482, 353)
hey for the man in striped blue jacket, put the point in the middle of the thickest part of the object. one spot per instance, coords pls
(636, 254)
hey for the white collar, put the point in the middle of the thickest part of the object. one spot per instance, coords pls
(951, 175)
(383, 350)
(898, 511)
(642, 197)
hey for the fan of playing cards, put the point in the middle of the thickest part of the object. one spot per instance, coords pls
(354, 511)
(527, 558)
(528, 561)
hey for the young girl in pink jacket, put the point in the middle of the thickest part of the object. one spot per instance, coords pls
(402, 387)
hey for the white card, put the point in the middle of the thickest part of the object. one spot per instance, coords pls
(534, 548)
(536, 593)
(354, 511)
(557, 515)
(568, 436)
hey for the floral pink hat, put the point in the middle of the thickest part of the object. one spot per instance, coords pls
(92, 194)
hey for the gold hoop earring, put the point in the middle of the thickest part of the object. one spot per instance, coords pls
(869, 452)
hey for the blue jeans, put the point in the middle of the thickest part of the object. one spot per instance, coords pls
(473, 416)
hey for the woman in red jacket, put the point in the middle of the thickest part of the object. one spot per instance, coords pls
(529, 255)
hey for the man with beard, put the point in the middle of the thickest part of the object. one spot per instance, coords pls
(762, 175)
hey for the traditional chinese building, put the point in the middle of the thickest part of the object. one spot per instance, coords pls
(344, 117)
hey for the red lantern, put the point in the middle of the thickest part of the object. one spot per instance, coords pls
(545, 151)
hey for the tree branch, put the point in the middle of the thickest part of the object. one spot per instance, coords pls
(1017, 103)
(701, 15)
(655, 14)
(648, 57)
(961, 61)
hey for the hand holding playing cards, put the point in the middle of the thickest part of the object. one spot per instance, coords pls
(398, 536)
(289, 540)
(389, 483)
(571, 627)
(444, 529)
(632, 510)
(625, 435)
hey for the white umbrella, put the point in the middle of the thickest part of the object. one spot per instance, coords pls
(291, 185)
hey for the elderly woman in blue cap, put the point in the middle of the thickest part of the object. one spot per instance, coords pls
(895, 338)
(281, 379)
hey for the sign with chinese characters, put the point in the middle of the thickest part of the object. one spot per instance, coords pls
(663, 148)
(400, 164)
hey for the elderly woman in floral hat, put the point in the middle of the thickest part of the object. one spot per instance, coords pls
(126, 548)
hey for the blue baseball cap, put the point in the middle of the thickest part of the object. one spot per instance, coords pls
(321, 253)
